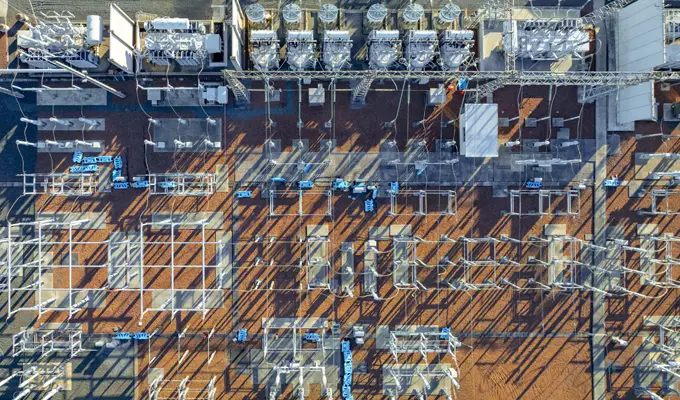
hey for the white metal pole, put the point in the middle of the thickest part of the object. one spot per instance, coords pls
(87, 77)
(203, 266)
(9, 271)
(51, 393)
(9, 378)
(141, 273)
(172, 270)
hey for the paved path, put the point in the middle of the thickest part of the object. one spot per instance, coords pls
(598, 339)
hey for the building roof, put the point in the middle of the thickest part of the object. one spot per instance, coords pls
(479, 130)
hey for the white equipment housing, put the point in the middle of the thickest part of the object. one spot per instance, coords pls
(454, 48)
(300, 49)
(264, 50)
(337, 47)
(180, 40)
(384, 49)
(546, 40)
(420, 48)
(55, 37)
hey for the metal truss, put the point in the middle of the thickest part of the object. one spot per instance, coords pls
(588, 94)
(605, 11)
(572, 78)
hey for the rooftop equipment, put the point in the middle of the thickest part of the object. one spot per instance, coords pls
(447, 16)
(420, 48)
(94, 30)
(410, 18)
(328, 15)
(545, 40)
(337, 47)
(292, 14)
(256, 15)
(180, 40)
(454, 48)
(300, 49)
(56, 37)
(264, 50)
(375, 16)
(384, 49)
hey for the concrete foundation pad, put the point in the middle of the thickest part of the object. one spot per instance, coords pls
(379, 232)
(317, 230)
(95, 220)
(193, 134)
(647, 229)
(75, 125)
(554, 230)
(400, 230)
(69, 146)
(82, 97)
(214, 219)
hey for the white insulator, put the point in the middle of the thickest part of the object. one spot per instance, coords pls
(376, 14)
(448, 14)
(292, 13)
(31, 121)
(328, 14)
(60, 121)
(91, 122)
(412, 14)
(255, 13)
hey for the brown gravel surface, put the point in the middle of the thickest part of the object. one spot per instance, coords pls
(548, 358)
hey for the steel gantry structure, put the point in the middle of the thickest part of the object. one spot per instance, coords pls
(572, 78)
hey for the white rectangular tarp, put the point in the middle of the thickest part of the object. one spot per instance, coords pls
(639, 46)
(236, 40)
(122, 32)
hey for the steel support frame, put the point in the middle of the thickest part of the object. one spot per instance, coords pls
(662, 195)
(170, 304)
(545, 202)
(548, 78)
(180, 184)
(43, 305)
(451, 202)
(404, 342)
(296, 348)
(57, 184)
(300, 195)
(45, 341)
(324, 264)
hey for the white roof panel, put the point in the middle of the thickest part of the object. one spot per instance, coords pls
(636, 103)
(122, 32)
(479, 130)
(639, 36)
